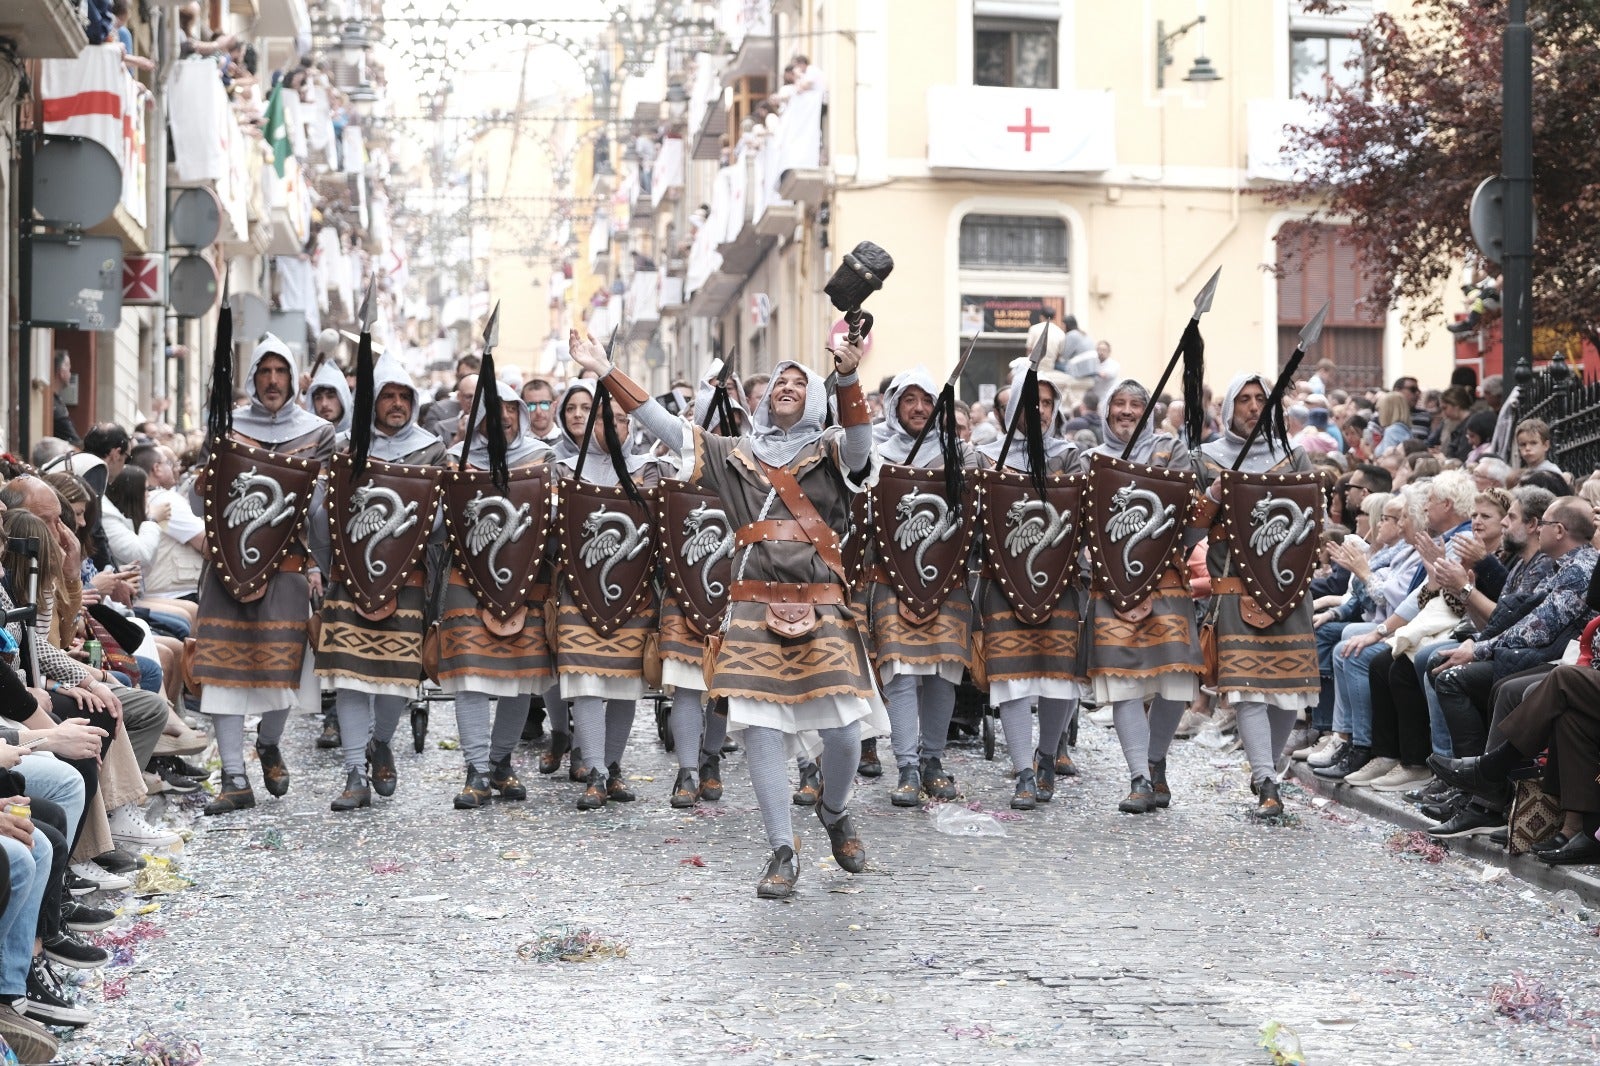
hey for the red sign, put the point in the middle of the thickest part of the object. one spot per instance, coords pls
(837, 334)
(144, 279)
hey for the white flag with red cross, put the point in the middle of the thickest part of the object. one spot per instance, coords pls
(976, 127)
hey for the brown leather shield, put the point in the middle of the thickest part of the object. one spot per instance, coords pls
(1272, 522)
(923, 541)
(1133, 526)
(608, 548)
(379, 527)
(1031, 543)
(255, 502)
(696, 551)
(498, 539)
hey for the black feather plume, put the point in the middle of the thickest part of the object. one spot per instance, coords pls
(1034, 428)
(1194, 383)
(219, 408)
(487, 398)
(950, 446)
(619, 461)
(361, 420)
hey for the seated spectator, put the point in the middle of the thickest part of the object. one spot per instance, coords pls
(175, 565)
(1558, 612)
(1394, 416)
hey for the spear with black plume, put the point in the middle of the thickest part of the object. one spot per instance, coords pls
(1271, 418)
(1192, 350)
(219, 406)
(487, 400)
(361, 420)
(944, 412)
(600, 413)
(1027, 413)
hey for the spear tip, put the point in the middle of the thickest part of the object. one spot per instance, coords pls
(1203, 298)
(491, 332)
(1313, 330)
(369, 309)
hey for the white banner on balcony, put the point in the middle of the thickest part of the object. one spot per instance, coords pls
(989, 128)
(667, 171)
(86, 96)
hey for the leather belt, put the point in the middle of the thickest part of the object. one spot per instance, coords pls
(787, 592)
(1227, 586)
(875, 574)
(292, 564)
(769, 529)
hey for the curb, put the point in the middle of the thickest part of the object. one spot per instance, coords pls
(1398, 812)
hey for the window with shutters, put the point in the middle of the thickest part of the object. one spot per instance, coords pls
(1318, 264)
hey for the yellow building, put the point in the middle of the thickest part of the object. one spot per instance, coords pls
(1013, 155)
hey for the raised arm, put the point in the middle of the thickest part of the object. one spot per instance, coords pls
(667, 427)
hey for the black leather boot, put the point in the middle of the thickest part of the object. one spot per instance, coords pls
(357, 793)
(273, 769)
(475, 793)
(380, 764)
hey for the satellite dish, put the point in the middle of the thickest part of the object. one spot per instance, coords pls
(195, 219)
(192, 286)
(252, 312)
(76, 181)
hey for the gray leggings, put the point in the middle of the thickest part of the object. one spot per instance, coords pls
(1264, 730)
(555, 708)
(766, 751)
(230, 737)
(687, 722)
(1145, 740)
(600, 730)
(1016, 721)
(364, 717)
(919, 708)
(482, 744)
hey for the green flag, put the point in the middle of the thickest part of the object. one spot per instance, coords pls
(277, 130)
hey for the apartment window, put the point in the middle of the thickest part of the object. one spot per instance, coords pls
(1317, 264)
(1013, 242)
(1016, 53)
(1320, 61)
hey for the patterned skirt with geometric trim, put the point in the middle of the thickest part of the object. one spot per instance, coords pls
(1159, 655)
(1023, 660)
(252, 645)
(472, 659)
(757, 664)
(941, 645)
(1276, 665)
(382, 658)
(594, 665)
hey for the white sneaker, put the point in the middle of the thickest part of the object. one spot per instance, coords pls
(1401, 779)
(1329, 755)
(1371, 772)
(129, 827)
(104, 880)
(1322, 743)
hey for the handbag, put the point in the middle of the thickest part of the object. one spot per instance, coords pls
(651, 664)
(113, 657)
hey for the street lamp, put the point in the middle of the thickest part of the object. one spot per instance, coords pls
(1201, 71)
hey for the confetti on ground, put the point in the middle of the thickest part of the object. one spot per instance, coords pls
(1525, 999)
(969, 1032)
(571, 945)
(1417, 845)
(164, 1049)
(271, 840)
(388, 867)
(693, 860)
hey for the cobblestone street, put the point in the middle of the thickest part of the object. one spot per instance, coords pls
(1081, 935)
